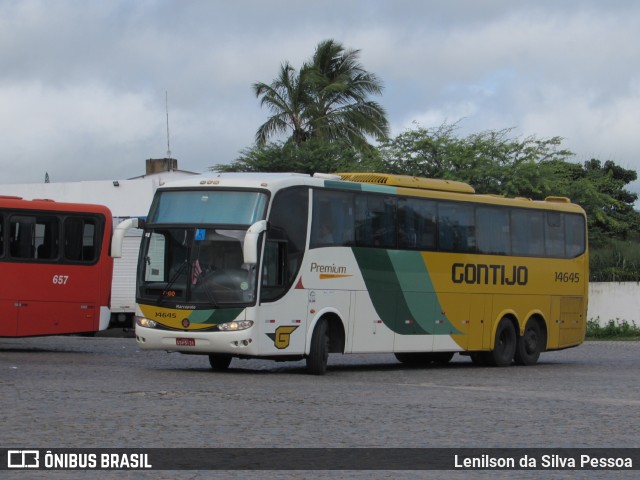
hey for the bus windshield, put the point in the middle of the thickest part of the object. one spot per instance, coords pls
(195, 265)
(224, 207)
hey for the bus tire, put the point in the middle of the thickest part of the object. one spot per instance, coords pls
(319, 349)
(504, 348)
(529, 345)
(219, 363)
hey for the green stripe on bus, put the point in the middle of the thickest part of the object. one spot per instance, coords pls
(419, 293)
(214, 317)
(401, 291)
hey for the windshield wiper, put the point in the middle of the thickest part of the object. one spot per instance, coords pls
(173, 280)
(208, 293)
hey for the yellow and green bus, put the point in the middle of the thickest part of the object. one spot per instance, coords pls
(291, 266)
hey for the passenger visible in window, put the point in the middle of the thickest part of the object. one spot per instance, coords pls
(325, 236)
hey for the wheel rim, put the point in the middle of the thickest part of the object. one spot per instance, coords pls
(503, 340)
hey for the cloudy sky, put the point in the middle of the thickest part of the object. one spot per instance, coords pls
(82, 82)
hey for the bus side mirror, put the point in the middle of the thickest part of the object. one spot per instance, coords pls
(119, 232)
(250, 248)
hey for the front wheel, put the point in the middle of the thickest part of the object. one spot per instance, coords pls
(219, 363)
(505, 345)
(319, 351)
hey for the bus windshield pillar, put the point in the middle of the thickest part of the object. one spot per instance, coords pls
(250, 248)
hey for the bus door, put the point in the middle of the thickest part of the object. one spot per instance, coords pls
(283, 305)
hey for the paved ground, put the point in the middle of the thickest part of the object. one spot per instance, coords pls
(75, 392)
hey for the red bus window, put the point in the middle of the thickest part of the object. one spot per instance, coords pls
(34, 237)
(80, 242)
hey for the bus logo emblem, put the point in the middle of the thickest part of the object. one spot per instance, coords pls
(186, 323)
(282, 336)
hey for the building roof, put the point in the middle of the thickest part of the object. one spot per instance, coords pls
(125, 198)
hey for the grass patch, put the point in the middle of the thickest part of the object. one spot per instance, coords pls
(614, 330)
(615, 261)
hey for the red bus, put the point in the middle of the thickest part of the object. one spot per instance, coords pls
(56, 270)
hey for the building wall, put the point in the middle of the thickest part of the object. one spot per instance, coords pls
(614, 301)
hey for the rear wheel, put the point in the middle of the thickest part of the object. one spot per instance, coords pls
(319, 351)
(530, 344)
(505, 345)
(219, 363)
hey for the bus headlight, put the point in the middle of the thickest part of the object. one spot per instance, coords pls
(235, 326)
(145, 322)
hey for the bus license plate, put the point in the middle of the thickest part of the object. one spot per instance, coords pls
(186, 342)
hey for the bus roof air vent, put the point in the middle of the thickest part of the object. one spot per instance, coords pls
(326, 176)
(557, 199)
(408, 182)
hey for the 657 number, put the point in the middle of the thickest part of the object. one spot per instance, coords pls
(60, 279)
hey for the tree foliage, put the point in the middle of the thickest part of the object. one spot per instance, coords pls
(308, 157)
(494, 162)
(600, 189)
(491, 161)
(326, 100)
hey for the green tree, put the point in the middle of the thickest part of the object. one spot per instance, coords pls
(491, 161)
(494, 162)
(326, 100)
(600, 189)
(309, 157)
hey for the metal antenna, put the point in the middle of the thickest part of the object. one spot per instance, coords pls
(166, 104)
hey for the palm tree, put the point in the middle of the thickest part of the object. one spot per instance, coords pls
(286, 98)
(326, 100)
(339, 108)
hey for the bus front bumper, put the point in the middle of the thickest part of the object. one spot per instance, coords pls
(241, 342)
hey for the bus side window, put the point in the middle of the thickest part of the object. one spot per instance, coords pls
(527, 233)
(80, 239)
(33, 237)
(456, 227)
(493, 235)
(416, 223)
(332, 219)
(574, 235)
(19, 242)
(554, 235)
(47, 238)
(376, 221)
(273, 269)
